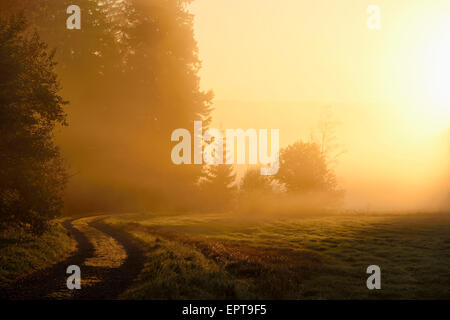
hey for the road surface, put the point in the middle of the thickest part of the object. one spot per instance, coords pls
(109, 260)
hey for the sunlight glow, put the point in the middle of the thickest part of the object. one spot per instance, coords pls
(438, 63)
(420, 65)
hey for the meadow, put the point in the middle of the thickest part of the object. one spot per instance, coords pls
(230, 256)
(217, 256)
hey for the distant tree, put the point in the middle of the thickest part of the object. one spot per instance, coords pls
(254, 182)
(253, 189)
(326, 137)
(218, 187)
(303, 168)
(32, 175)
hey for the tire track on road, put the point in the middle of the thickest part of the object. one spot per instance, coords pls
(98, 282)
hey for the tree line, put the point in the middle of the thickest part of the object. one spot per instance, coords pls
(86, 115)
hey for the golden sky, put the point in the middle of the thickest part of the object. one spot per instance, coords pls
(322, 49)
(275, 64)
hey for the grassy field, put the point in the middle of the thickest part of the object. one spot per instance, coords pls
(216, 256)
(22, 253)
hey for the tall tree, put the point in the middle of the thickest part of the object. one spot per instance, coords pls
(218, 187)
(131, 74)
(89, 53)
(32, 176)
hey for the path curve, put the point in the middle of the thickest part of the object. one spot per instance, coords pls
(50, 283)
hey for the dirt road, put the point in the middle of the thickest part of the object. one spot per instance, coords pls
(109, 261)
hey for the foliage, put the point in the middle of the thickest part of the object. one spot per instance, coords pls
(303, 168)
(218, 187)
(32, 175)
(131, 74)
(21, 253)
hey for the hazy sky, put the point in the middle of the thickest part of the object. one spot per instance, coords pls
(274, 64)
(322, 49)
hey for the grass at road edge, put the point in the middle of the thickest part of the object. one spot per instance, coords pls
(181, 266)
(23, 253)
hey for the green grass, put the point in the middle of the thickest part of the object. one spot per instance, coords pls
(22, 253)
(175, 271)
(217, 256)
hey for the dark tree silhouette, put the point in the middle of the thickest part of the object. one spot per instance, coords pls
(32, 176)
(218, 187)
(303, 168)
(253, 189)
(254, 182)
(90, 53)
(131, 74)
